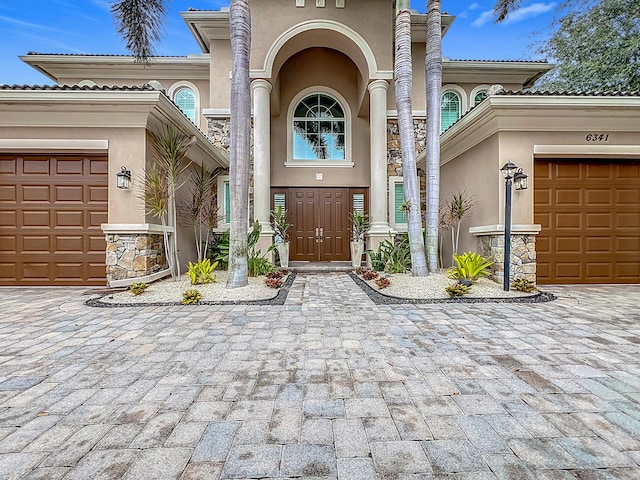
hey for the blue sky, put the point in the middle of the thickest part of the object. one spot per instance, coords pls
(85, 26)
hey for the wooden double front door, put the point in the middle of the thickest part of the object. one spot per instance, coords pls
(320, 221)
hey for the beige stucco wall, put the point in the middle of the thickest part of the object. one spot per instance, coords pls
(372, 19)
(324, 68)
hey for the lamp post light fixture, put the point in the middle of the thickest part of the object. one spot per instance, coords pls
(512, 174)
(123, 178)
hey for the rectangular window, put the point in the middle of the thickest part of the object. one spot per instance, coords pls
(400, 216)
(227, 203)
(358, 202)
(279, 200)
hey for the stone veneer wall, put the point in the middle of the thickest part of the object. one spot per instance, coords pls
(219, 132)
(394, 151)
(134, 255)
(523, 255)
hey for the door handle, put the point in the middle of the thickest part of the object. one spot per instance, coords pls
(317, 234)
(321, 234)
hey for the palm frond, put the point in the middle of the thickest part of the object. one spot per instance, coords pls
(140, 25)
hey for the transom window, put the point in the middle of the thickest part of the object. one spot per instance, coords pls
(319, 129)
(450, 109)
(186, 100)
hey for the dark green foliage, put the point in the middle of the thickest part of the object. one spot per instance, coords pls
(393, 255)
(219, 249)
(257, 264)
(596, 48)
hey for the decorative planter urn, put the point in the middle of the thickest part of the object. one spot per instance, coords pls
(283, 253)
(357, 249)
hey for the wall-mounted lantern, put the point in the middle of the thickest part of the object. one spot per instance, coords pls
(123, 178)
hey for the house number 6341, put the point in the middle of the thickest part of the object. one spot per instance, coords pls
(597, 137)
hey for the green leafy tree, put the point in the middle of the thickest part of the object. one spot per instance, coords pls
(595, 48)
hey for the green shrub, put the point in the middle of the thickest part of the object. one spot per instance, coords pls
(393, 255)
(138, 288)
(202, 272)
(257, 264)
(524, 285)
(470, 266)
(191, 296)
(457, 290)
(219, 250)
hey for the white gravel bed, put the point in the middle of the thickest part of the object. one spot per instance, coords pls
(403, 285)
(167, 290)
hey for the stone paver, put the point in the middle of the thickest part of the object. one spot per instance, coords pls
(327, 386)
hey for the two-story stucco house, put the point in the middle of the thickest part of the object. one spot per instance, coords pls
(325, 141)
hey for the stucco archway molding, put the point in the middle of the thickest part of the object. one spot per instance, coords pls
(362, 55)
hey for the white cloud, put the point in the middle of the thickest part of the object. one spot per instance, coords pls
(484, 17)
(16, 22)
(474, 6)
(531, 11)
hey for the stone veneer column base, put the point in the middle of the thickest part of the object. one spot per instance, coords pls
(135, 253)
(523, 250)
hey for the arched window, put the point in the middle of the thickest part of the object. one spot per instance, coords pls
(450, 109)
(319, 129)
(186, 100)
(479, 97)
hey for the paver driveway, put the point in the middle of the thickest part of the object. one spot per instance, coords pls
(327, 386)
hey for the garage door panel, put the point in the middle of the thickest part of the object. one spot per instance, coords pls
(599, 197)
(568, 270)
(36, 166)
(567, 171)
(598, 171)
(66, 166)
(568, 196)
(568, 221)
(98, 194)
(69, 194)
(8, 194)
(98, 167)
(629, 196)
(8, 166)
(628, 270)
(598, 244)
(629, 245)
(36, 244)
(36, 194)
(36, 219)
(97, 218)
(607, 220)
(568, 245)
(627, 220)
(69, 244)
(51, 208)
(598, 221)
(9, 244)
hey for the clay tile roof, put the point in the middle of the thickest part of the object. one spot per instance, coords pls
(570, 93)
(106, 88)
(100, 55)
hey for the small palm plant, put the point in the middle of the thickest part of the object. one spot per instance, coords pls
(470, 266)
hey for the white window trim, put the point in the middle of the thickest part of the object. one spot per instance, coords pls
(475, 91)
(461, 92)
(222, 225)
(399, 227)
(347, 162)
(196, 93)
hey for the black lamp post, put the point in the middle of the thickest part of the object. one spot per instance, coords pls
(510, 171)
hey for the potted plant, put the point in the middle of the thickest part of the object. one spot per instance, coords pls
(281, 235)
(359, 226)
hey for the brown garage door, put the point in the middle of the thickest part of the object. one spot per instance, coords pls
(589, 211)
(51, 208)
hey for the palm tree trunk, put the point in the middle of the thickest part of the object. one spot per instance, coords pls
(433, 66)
(403, 84)
(240, 19)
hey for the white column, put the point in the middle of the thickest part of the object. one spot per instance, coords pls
(378, 192)
(262, 154)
